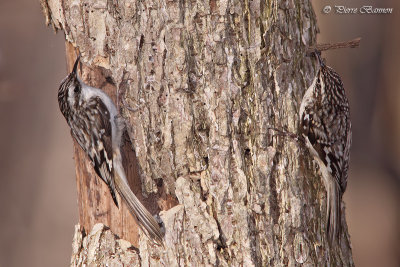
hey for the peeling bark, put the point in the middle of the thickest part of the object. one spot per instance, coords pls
(199, 83)
(102, 248)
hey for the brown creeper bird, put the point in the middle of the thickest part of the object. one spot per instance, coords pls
(97, 128)
(326, 127)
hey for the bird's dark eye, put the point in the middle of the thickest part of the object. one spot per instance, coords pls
(76, 89)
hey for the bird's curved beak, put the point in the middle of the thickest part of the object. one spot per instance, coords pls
(74, 72)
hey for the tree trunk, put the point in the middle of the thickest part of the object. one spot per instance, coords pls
(199, 83)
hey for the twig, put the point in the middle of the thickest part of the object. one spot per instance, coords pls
(285, 133)
(322, 47)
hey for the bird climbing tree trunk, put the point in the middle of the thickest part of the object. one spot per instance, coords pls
(199, 83)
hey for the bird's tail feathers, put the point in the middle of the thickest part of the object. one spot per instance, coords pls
(145, 220)
(333, 205)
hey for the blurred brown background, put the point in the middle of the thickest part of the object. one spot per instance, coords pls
(38, 193)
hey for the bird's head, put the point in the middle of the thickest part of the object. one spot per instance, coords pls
(70, 89)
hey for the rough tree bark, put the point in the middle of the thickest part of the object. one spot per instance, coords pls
(199, 83)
